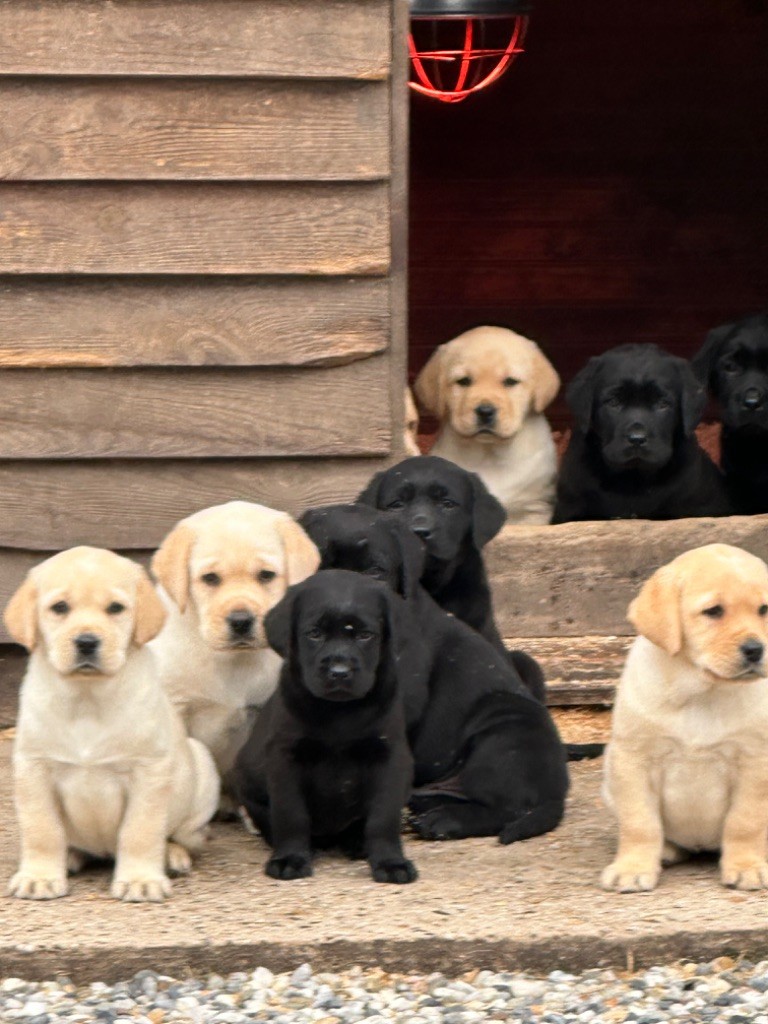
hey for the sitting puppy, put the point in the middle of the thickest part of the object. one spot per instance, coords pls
(221, 571)
(102, 766)
(687, 765)
(489, 388)
(328, 762)
(734, 363)
(633, 453)
(488, 759)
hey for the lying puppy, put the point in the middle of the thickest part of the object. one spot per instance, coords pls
(734, 363)
(221, 571)
(489, 388)
(328, 762)
(455, 516)
(687, 765)
(102, 767)
(633, 452)
(488, 759)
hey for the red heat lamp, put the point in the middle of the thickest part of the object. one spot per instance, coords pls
(458, 47)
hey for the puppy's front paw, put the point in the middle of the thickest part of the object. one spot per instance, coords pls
(745, 874)
(626, 876)
(37, 887)
(400, 872)
(177, 859)
(287, 868)
(436, 824)
(141, 890)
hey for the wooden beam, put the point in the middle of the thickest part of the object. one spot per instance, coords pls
(65, 414)
(59, 130)
(88, 228)
(281, 39)
(191, 322)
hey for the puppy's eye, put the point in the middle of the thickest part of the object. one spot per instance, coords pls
(509, 382)
(60, 608)
(115, 608)
(715, 612)
(614, 403)
(663, 403)
(266, 576)
(397, 503)
(365, 634)
(729, 365)
(464, 382)
(449, 503)
(211, 579)
(763, 609)
(315, 634)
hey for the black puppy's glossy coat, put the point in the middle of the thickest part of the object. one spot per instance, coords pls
(328, 762)
(454, 514)
(487, 756)
(733, 362)
(633, 452)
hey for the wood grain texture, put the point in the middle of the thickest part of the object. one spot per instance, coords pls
(129, 504)
(579, 578)
(191, 322)
(58, 130)
(194, 228)
(167, 413)
(13, 663)
(272, 38)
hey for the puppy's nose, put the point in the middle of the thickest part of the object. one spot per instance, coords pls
(486, 413)
(752, 651)
(87, 644)
(422, 529)
(241, 622)
(753, 398)
(637, 436)
(339, 672)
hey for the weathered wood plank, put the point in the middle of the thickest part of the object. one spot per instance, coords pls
(578, 579)
(194, 228)
(169, 129)
(13, 662)
(132, 504)
(198, 322)
(165, 413)
(281, 38)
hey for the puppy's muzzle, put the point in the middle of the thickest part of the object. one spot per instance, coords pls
(753, 399)
(87, 651)
(241, 625)
(637, 436)
(752, 652)
(339, 677)
(486, 415)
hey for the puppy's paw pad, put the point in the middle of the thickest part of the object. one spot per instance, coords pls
(746, 876)
(436, 824)
(35, 887)
(141, 890)
(177, 859)
(616, 878)
(399, 872)
(288, 868)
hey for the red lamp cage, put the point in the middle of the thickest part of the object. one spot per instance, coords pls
(458, 47)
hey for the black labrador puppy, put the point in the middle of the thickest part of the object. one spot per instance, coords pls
(327, 762)
(733, 362)
(487, 756)
(633, 452)
(455, 515)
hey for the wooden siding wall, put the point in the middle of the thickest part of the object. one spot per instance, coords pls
(611, 188)
(202, 291)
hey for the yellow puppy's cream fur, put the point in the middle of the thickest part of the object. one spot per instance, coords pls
(517, 460)
(217, 686)
(686, 768)
(102, 765)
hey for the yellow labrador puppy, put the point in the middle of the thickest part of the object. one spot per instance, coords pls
(687, 765)
(489, 388)
(221, 570)
(102, 765)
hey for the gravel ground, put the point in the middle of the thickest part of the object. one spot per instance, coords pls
(721, 991)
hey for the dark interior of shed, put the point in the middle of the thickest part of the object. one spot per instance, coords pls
(612, 187)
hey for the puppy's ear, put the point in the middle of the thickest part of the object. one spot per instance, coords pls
(488, 515)
(278, 623)
(170, 565)
(301, 556)
(703, 362)
(370, 493)
(693, 397)
(430, 385)
(413, 555)
(313, 522)
(150, 614)
(20, 615)
(545, 381)
(655, 612)
(580, 394)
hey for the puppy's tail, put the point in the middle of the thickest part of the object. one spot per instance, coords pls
(530, 673)
(532, 823)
